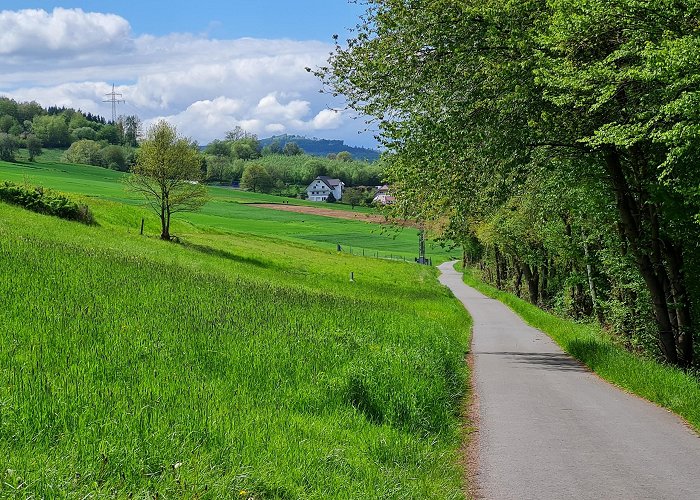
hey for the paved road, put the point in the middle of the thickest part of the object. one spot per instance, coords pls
(551, 429)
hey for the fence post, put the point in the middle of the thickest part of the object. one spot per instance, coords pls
(142, 226)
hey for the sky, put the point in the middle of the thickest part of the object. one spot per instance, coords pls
(205, 66)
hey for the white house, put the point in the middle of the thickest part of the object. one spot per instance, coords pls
(383, 196)
(322, 186)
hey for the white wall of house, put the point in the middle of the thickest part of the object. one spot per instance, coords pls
(319, 191)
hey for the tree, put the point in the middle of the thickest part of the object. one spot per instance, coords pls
(8, 146)
(52, 131)
(84, 133)
(218, 148)
(256, 178)
(273, 148)
(114, 157)
(86, 152)
(131, 129)
(331, 198)
(344, 156)
(168, 174)
(478, 100)
(110, 133)
(292, 149)
(353, 196)
(33, 147)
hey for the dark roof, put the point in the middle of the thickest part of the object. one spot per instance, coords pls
(331, 183)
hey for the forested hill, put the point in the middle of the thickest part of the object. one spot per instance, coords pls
(322, 147)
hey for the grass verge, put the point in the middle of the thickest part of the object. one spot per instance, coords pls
(229, 366)
(662, 384)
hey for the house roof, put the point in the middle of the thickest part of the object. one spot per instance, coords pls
(331, 183)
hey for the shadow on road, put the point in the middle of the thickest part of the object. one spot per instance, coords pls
(547, 360)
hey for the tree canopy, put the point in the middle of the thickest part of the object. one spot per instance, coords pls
(559, 140)
(168, 174)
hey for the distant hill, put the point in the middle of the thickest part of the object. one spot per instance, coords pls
(322, 147)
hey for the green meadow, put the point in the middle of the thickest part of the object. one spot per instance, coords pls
(230, 211)
(240, 362)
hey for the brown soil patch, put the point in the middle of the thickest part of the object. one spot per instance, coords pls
(329, 212)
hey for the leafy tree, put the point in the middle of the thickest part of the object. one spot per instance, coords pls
(353, 196)
(33, 147)
(84, 133)
(110, 133)
(77, 120)
(218, 148)
(130, 129)
(273, 148)
(242, 150)
(292, 149)
(479, 101)
(7, 122)
(86, 152)
(168, 174)
(344, 156)
(316, 168)
(114, 157)
(8, 146)
(52, 131)
(256, 178)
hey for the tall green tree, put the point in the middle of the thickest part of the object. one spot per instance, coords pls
(476, 99)
(168, 174)
(256, 178)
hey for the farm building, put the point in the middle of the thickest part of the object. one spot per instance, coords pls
(383, 196)
(322, 186)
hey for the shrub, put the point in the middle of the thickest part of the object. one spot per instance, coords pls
(45, 202)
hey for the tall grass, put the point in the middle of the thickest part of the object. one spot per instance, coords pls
(220, 368)
(662, 384)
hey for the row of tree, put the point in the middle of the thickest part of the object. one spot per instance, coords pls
(557, 140)
(55, 127)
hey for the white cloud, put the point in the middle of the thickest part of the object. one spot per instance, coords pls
(203, 86)
(327, 119)
(39, 33)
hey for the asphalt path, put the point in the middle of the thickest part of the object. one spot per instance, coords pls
(550, 429)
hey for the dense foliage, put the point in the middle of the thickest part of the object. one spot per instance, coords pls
(168, 174)
(290, 170)
(559, 139)
(45, 202)
(28, 125)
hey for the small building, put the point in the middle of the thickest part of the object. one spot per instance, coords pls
(383, 196)
(322, 186)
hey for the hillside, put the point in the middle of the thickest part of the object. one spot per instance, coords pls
(323, 147)
(241, 362)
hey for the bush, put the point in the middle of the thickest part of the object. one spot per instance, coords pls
(45, 202)
(86, 152)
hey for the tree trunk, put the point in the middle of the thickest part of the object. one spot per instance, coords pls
(532, 276)
(631, 220)
(591, 286)
(497, 255)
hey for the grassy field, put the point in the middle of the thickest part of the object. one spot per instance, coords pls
(661, 384)
(229, 211)
(238, 363)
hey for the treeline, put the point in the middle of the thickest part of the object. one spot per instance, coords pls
(557, 142)
(29, 125)
(284, 170)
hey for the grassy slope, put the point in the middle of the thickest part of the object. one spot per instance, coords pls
(219, 365)
(229, 211)
(662, 384)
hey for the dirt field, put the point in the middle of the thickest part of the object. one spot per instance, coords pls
(326, 212)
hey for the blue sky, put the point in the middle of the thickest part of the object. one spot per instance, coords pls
(205, 66)
(299, 20)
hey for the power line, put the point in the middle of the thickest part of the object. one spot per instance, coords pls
(114, 99)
